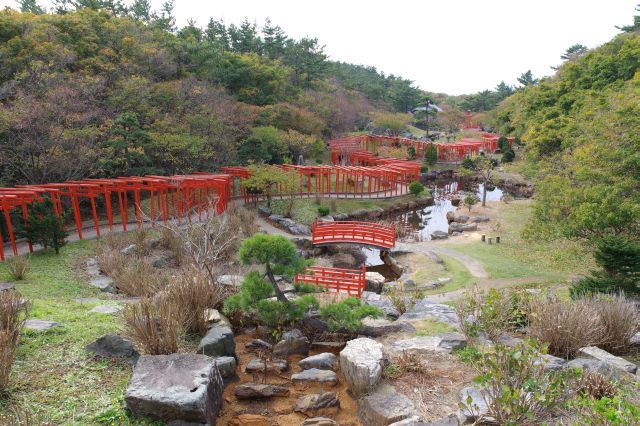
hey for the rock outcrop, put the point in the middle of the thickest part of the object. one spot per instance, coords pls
(361, 362)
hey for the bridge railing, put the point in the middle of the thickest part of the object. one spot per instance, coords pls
(350, 281)
(368, 233)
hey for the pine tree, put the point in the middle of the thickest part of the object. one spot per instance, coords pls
(43, 226)
(275, 40)
(141, 11)
(574, 51)
(431, 155)
(526, 79)
(636, 23)
(216, 34)
(31, 6)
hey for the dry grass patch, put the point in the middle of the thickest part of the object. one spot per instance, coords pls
(18, 266)
(11, 322)
(154, 326)
(140, 279)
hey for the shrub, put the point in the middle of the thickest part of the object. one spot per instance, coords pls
(508, 156)
(403, 299)
(416, 188)
(468, 164)
(11, 322)
(172, 242)
(471, 200)
(140, 279)
(595, 385)
(111, 261)
(411, 151)
(153, 327)
(18, 266)
(621, 322)
(323, 211)
(43, 226)
(348, 314)
(192, 295)
(140, 236)
(503, 144)
(431, 155)
(515, 386)
(566, 326)
(424, 169)
(302, 287)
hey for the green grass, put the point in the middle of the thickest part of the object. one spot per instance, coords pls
(416, 132)
(460, 277)
(431, 327)
(52, 376)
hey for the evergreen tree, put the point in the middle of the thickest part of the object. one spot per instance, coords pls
(141, 11)
(636, 23)
(274, 40)
(216, 34)
(127, 143)
(431, 155)
(31, 6)
(43, 226)
(307, 59)
(244, 39)
(574, 51)
(526, 79)
(166, 21)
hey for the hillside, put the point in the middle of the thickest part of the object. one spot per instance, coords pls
(581, 129)
(92, 93)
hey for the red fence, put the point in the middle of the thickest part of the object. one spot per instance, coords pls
(367, 233)
(351, 281)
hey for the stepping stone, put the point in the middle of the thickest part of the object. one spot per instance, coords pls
(319, 421)
(443, 342)
(7, 286)
(107, 309)
(92, 270)
(88, 300)
(439, 235)
(316, 375)
(384, 407)
(257, 344)
(319, 403)
(40, 325)
(113, 346)
(293, 342)
(103, 283)
(256, 365)
(258, 390)
(379, 327)
(171, 387)
(323, 361)
(226, 366)
(361, 363)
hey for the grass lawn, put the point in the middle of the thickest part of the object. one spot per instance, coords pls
(460, 277)
(52, 376)
(516, 257)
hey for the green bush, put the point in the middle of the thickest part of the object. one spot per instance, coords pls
(424, 169)
(469, 164)
(348, 314)
(471, 200)
(508, 156)
(503, 144)
(416, 188)
(43, 226)
(412, 153)
(617, 410)
(431, 155)
(323, 211)
(307, 288)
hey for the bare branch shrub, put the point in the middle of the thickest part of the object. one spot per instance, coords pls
(192, 295)
(139, 239)
(172, 242)
(621, 322)
(567, 326)
(153, 326)
(111, 261)
(18, 266)
(140, 279)
(115, 241)
(595, 385)
(12, 320)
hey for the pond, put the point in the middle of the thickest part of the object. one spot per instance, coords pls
(419, 224)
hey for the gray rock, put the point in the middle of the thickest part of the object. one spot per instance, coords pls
(481, 218)
(552, 363)
(457, 227)
(450, 420)
(410, 421)
(379, 327)
(473, 397)
(427, 309)
(455, 202)
(635, 339)
(293, 342)
(313, 320)
(361, 362)
(258, 390)
(451, 340)
(7, 286)
(451, 216)
(320, 402)
(92, 270)
(374, 281)
(433, 256)
(509, 341)
(323, 361)
(88, 300)
(230, 280)
(596, 353)
(595, 365)
(384, 407)
(264, 210)
(112, 346)
(40, 325)
(340, 216)
(218, 342)
(299, 229)
(256, 365)
(107, 309)
(418, 345)
(258, 344)
(92, 261)
(439, 235)
(170, 387)
(226, 366)
(129, 250)
(463, 218)
(319, 421)
(103, 283)
(316, 375)
(153, 243)
(276, 217)
(327, 218)
(382, 302)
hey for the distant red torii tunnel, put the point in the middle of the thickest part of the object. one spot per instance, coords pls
(351, 232)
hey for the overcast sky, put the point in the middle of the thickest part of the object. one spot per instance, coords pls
(451, 46)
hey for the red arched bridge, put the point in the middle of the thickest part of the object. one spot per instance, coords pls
(366, 233)
(350, 281)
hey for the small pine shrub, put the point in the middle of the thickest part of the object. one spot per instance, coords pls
(416, 188)
(348, 314)
(307, 288)
(508, 156)
(43, 226)
(503, 144)
(323, 211)
(468, 164)
(471, 200)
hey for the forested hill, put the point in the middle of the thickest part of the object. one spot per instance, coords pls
(106, 93)
(581, 128)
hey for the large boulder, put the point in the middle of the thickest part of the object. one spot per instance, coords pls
(259, 391)
(218, 342)
(374, 281)
(293, 342)
(318, 403)
(458, 227)
(376, 327)
(170, 387)
(361, 362)
(463, 218)
(479, 219)
(439, 235)
(384, 407)
(323, 361)
(316, 375)
(113, 346)
(598, 354)
(598, 366)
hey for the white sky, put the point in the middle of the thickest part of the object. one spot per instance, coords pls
(450, 46)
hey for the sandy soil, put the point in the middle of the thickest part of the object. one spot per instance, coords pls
(279, 410)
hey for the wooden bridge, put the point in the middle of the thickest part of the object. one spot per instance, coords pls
(350, 281)
(352, 232)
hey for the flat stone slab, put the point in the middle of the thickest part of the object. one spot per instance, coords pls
(596, 353)
(88, 300)
(384, 407)
(319, 421)
(323, 361)
(293, 342)
(107, 309)
(316, 375)
(598, 366)
(112, 346)
(103, 283)
(379, 327)
(259, 390)
(40, 325)
(7, 286)
(318, 403)
(256, 365)
(443, 342)
(427, 309)
(170, 387)
(218, 342)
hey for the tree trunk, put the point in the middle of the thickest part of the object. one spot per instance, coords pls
(279, 294)
(484, 194)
